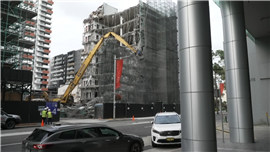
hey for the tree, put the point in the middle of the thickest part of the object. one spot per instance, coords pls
(218, 71)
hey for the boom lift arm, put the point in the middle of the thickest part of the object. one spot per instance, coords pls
(87, 61)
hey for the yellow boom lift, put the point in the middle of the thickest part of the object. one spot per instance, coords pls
(67, 98)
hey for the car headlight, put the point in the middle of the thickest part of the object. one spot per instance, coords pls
(155, 131)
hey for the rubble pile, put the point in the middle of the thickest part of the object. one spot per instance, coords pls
(79, 110)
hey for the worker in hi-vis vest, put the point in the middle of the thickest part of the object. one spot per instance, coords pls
(49, 117)
(44, 115)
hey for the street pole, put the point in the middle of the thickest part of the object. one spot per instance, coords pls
(221, 118)
(114, 86)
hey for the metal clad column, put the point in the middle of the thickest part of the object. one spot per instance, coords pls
(196, 78)
(237, 72)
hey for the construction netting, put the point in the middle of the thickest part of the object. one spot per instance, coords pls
(151, 28)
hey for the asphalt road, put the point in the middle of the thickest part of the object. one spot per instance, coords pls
(11, 139)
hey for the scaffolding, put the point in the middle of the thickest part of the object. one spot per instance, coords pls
(150, 27)
(18, 30)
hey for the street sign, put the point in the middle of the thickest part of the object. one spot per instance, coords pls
(52, 106)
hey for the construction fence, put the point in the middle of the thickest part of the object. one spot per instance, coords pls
(126, 110)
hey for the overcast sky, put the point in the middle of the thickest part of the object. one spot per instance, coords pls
(68, 16)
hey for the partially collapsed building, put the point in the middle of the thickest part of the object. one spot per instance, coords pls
(150, 27)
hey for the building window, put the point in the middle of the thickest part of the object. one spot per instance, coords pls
(97, 37)
(96, 82)
(90, 94)
(90, 82)
(102, 27)
(97, 26)
(96, 60)
(96, 71)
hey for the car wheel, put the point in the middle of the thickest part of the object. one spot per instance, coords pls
(10, 124)
(154, 145)
(135, 147)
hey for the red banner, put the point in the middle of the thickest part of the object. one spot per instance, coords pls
(221, 87)
(119, 67)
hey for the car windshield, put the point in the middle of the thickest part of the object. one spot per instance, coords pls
(168, 119)
(38, 135)
(3, 112)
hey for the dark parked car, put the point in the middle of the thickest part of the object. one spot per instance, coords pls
(8, 121)
(81, 138)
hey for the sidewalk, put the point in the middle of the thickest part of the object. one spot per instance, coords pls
(261, 136)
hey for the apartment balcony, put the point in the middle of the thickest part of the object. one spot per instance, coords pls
(45, 66)
(58, 63)
(30, 23)
(57, 79)
(48, 31)
(50, 11)
(58, 59)
(58, 75)
(71, 59)
(29, 34)
(38, 76)
(70, 77)
(71, 72)
(39, 65)
(58, 67)
(50, 2)
(39, 71)
(70, 64)
(45, 72)
(70, 68)
(57, 71)
(28, 56)
(44, 35)
(44, 45)
(29, 28)
(47, 41)
(27, 62)
(45, 77)
(37, 82)
(27, 50)
(46, 20)
(45, 15)
(71, 56)
(47, 5)
(45, 25)
(45, 82)
(46, 61)
(27, 68)
(44, 89)
(47, 51)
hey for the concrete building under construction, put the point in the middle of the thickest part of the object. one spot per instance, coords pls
(151, 28)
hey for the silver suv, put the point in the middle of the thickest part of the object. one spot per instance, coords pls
(8, 121)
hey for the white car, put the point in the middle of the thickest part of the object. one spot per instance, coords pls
(166, 129)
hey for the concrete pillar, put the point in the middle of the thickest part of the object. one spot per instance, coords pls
(237, 72)
(196, 78)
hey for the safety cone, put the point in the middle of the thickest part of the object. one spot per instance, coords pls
(42, 123)
(133, 118)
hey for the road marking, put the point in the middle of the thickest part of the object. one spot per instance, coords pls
(138, 123)
(11, 144)
(16, 134)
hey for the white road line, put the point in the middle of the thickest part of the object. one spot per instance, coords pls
(11, 144)
(16, 134)
(138, 123)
